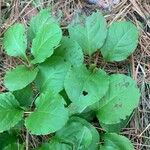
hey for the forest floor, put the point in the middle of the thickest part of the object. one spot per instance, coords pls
(137, 66)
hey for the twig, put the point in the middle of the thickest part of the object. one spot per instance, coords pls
(27, 140)
(16, 17)
(96, 59)
(134, 75)
(144, 130)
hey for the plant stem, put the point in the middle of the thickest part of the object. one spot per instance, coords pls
(27, 140)
(28, 62)
(96, 59)
(27, 114)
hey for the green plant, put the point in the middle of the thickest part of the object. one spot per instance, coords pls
(55, 92)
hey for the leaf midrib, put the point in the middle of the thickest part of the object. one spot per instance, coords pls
(121, 39)
(37, 51)
(19, 47)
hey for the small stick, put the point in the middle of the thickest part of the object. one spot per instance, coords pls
(96, 59)
(27, 140)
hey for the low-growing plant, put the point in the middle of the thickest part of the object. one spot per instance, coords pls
(54, 91)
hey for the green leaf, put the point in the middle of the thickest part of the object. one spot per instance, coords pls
(24, 96)
(52, 74)
(91, 34)
(10, 111)
(114, 141)
(121, 41)
(19, 77)
(70, 51)
(95, 134)
(74, 109)
(14, 146)
(85, 87)
(120, 101)
(55, 145)
(15, 42)
(6, 139)
(76, 131)
(36, 24)
(46, 40)
(79, 134)
(115, 127)
(50, 115)
(87, 114)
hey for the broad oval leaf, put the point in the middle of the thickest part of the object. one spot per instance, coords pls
(10, 111)
(87, 113)
(24, 96)
(113, 141)
(37, 22)
(46, 40)
(79, 134)
(121, 41)
(70, 51)
(50, 115)
(52, 74)
(19, 77)
(85, 87)
(91, 34)
(120, 101)
(7, 138)
(14, 146)
(55, 145)
(117, 128)
(15, 42)
(95, 135)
